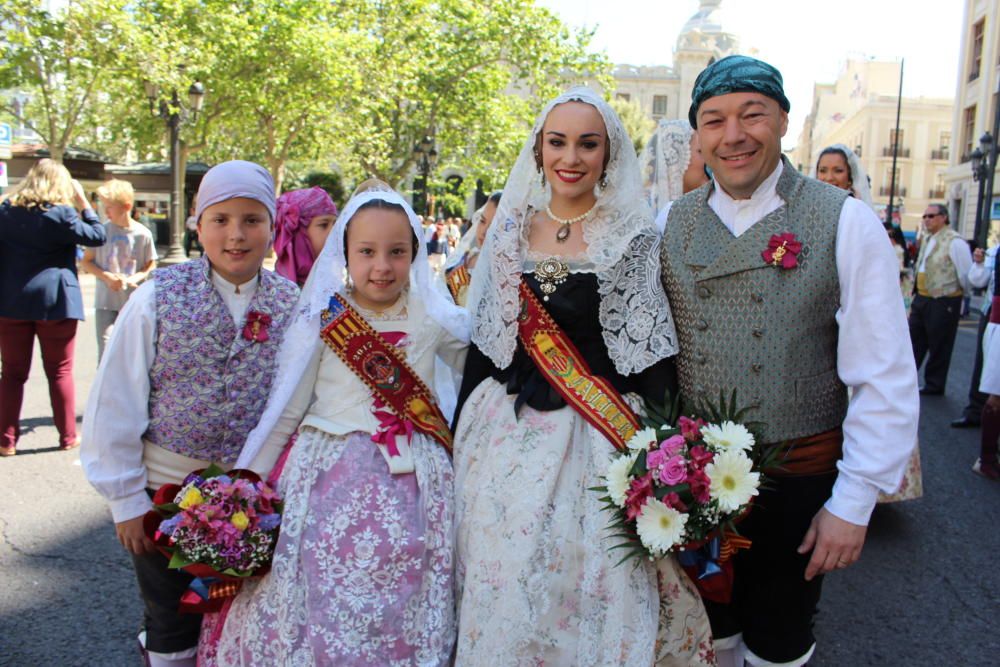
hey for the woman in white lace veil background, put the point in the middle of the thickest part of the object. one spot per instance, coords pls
(840, 167)
(672, 164)
(535, 580)
(363, 568)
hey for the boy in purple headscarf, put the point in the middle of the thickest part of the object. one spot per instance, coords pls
(183, 381)
(303, 221)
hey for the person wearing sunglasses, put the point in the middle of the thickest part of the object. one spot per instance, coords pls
(942, 282)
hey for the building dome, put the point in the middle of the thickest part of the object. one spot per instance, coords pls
(704, 31)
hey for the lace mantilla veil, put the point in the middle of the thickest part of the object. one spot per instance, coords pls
(622, 243)
(664, 161)
(467, 242)
(325, 280)
(859, 177)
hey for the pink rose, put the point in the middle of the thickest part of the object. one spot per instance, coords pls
(638, 492)
(690, 428)
(675, 444)
(655, 459)
(673, 471)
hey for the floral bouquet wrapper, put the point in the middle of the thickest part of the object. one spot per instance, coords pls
(221, 527)
(682, 489)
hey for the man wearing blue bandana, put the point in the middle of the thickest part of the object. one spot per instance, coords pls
(785, 289)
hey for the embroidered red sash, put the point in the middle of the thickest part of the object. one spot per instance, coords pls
(565, 369)
(458, 278)
(383, 369)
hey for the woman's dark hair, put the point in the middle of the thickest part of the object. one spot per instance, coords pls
(830, 150)
(385, 206)
(495, 197)
(896, 234)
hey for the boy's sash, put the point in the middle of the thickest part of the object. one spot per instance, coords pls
(457, 278)
(565, 369)
(383, 368)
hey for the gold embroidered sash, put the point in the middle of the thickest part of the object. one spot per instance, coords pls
(562, 365)
(383, 368)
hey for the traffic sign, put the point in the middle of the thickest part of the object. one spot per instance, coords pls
(5, 137)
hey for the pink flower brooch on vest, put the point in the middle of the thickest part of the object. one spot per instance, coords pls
(782, 251)
(256, 327)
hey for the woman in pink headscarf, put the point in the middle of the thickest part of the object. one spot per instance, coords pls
(303, 220)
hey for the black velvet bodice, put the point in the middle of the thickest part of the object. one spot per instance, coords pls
(575, 306)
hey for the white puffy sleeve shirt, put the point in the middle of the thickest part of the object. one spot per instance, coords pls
(874, 357)
(333, 399)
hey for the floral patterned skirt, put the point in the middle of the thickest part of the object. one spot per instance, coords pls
(536, 583)
(362, 572)
(912, 486)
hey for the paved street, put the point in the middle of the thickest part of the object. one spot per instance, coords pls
(924, 594)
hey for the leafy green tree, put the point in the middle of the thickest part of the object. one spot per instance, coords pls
(451, 69)
(638, 125)
(63, 59)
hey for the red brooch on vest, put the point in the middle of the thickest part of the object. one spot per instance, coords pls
(782, 251)
(256, 327)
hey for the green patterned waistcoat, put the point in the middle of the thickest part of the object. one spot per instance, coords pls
(768, 332)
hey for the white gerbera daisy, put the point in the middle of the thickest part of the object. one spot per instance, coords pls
(643, 439)
(660, 526)
(733, 485)
(727, 436)
(617, 479)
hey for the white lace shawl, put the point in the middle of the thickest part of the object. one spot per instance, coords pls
(664, 161)
(327, 279)
(859, 177)
(468, 241)
(622, 243)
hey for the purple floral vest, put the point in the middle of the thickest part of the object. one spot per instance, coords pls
(209, 383)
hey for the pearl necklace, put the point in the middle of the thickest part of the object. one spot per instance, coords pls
(564, 224)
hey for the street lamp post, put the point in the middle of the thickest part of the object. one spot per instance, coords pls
(983, 162)
(427, 157)
(175, 115)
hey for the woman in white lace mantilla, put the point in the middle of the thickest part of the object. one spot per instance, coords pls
(363, 569)
(536, 582)
(672, 165)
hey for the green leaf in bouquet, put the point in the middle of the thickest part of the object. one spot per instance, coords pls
(177, 561)
(212, 471)
(169, 509)
(639, 467)
(663, 491)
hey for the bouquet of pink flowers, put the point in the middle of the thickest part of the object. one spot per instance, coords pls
(680, 488)
(217, 525)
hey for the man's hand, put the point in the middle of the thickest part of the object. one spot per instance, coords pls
(979, 256)
(834, 543)
(133, 537)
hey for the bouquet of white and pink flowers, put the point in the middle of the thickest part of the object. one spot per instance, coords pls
(681, 488)
(219, 527)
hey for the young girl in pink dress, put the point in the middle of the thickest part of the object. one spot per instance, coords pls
(362, 572)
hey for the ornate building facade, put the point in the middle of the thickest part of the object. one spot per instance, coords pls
(976, 100)
(859, 111)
